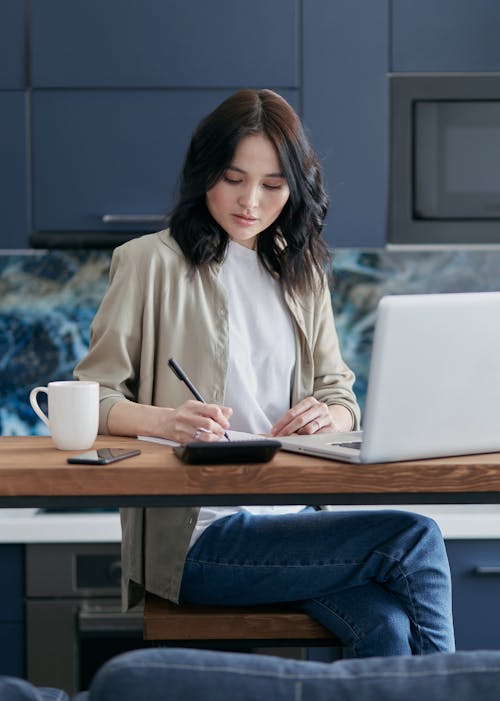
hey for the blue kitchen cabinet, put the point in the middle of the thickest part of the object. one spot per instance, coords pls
(12, 610)
(13, 164)
(12, 45)
(107, 161)
(344, 101)
(449, 35)
(176, 44)
(475, 571)
(13, 170)
(117, 89)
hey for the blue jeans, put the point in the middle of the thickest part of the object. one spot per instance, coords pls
(379, 580)
(190, 675)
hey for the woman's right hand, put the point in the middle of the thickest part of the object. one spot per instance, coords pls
(128, 418)
(196, 421)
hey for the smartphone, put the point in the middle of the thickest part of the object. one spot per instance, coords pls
(102, 456)
(227, 452)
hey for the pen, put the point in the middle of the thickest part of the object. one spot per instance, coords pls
(184, 378)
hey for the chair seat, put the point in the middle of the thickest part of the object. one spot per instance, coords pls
(166, 621)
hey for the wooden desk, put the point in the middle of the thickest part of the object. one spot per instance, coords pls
(34, 473)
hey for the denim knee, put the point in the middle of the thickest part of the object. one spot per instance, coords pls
(426, 532)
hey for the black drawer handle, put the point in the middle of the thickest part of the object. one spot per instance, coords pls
(487, 571)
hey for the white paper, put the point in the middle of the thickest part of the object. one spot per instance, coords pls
(233, 436)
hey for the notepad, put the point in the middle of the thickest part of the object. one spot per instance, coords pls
(233, 435)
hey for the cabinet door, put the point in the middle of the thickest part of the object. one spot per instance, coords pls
(345, 110)
(12, 586)
(12, 610)
(449, 35)
(153, 43)
(12, 649)
(475, 571)
(12, 64)
(109, 160)
(13, 170)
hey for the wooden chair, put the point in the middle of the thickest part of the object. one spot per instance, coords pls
(241, 627)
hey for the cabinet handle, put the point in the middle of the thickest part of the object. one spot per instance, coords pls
(132, 218)
(485, 571)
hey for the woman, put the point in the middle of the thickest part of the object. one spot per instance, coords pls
(236, 292)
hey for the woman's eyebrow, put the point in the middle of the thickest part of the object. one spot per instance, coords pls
(243, 172)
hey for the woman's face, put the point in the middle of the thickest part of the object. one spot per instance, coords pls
(251, 193)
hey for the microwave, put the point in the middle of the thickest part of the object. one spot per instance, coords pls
(444, 140)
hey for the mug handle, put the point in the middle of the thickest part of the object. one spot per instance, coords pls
(34, 404)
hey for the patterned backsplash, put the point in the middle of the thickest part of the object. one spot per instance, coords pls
(48, 300)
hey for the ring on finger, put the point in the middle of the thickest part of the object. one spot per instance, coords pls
(198, 432)
(317, 425)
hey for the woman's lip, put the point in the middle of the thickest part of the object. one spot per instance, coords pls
(245, 220)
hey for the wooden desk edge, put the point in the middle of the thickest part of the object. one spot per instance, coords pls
(31, 468)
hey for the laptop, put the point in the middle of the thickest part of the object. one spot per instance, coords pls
(434, 383)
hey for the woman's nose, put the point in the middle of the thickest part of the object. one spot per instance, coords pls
(249, 197)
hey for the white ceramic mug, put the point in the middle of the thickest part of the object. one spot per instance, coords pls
(73, 413)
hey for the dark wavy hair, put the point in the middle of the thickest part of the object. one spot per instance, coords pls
(291, 247)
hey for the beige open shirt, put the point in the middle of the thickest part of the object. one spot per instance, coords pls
(153, 310)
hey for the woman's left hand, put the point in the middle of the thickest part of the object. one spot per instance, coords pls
(311, 416)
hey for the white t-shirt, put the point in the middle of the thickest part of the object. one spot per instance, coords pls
(261, 359)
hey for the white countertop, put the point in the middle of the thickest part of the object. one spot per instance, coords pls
(457, 521)
(29, 526)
